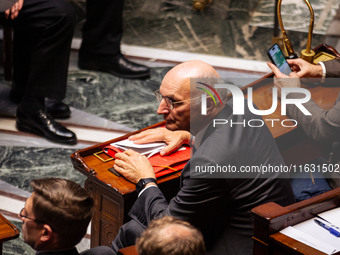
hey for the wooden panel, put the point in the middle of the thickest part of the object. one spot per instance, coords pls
(108, 214)
(108, 232)
(111, 207)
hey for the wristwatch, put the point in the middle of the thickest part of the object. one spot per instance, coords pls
(142, 182)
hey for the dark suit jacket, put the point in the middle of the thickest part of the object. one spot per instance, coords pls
(43, 33)
(220, 207)
(322, 126)
(72, 251)
(99, 250)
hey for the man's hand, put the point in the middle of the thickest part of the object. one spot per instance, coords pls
(282, 81)
(14, 11)
(304, 69)
(133, 166)
(174, 139)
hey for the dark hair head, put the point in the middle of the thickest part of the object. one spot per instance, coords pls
(65, 206)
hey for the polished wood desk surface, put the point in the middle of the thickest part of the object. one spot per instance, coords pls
(131, 250)
(284, 244)
(7, 231)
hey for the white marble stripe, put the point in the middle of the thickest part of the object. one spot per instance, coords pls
(178, 56)
(10, 204)
(83, 134)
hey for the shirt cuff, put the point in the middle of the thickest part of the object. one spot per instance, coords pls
(323, 71)
(140, 193)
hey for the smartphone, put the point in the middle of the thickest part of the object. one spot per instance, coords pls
(276, 56)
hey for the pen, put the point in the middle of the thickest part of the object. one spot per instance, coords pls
(330, 228)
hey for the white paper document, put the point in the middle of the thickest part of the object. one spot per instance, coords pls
(312, 234)
(147, 149)
(307, 239)
(6, 4)
(332, 216)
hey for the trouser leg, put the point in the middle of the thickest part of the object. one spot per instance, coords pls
(103, 29)
(102, 33)
(43, 33)
(127, 235)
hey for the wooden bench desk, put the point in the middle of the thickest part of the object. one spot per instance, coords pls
(270, 218)
(113, 196)
(7, 231)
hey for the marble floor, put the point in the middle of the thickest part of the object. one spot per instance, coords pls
(231, 35)
(233, 28)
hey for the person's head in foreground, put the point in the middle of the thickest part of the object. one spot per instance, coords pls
(176, 98)
(56, 215)
(169, 235)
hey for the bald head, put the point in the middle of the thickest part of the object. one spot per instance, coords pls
(171, 236)
(174, 231)
(182, 73)
(194, 69)
(175, 89)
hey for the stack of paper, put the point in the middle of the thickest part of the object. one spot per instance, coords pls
(310, 233)
(147, 149)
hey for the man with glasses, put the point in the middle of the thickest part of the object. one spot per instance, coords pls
(218, 205)
(56, 216)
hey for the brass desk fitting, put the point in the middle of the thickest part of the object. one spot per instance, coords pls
(307, 54)
(200, 5)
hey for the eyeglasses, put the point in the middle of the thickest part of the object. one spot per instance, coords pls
(22, 215)
(168, 101)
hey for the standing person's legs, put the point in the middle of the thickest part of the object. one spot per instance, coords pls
(102, 34)
(42, 37)
(36, 20)
(103, 29)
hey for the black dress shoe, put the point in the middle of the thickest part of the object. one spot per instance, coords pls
(43, 125)
(116, 65)
(57, 109)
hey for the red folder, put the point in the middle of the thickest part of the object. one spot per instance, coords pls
(162, 165)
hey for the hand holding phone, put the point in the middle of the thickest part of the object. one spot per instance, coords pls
(276, 56)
